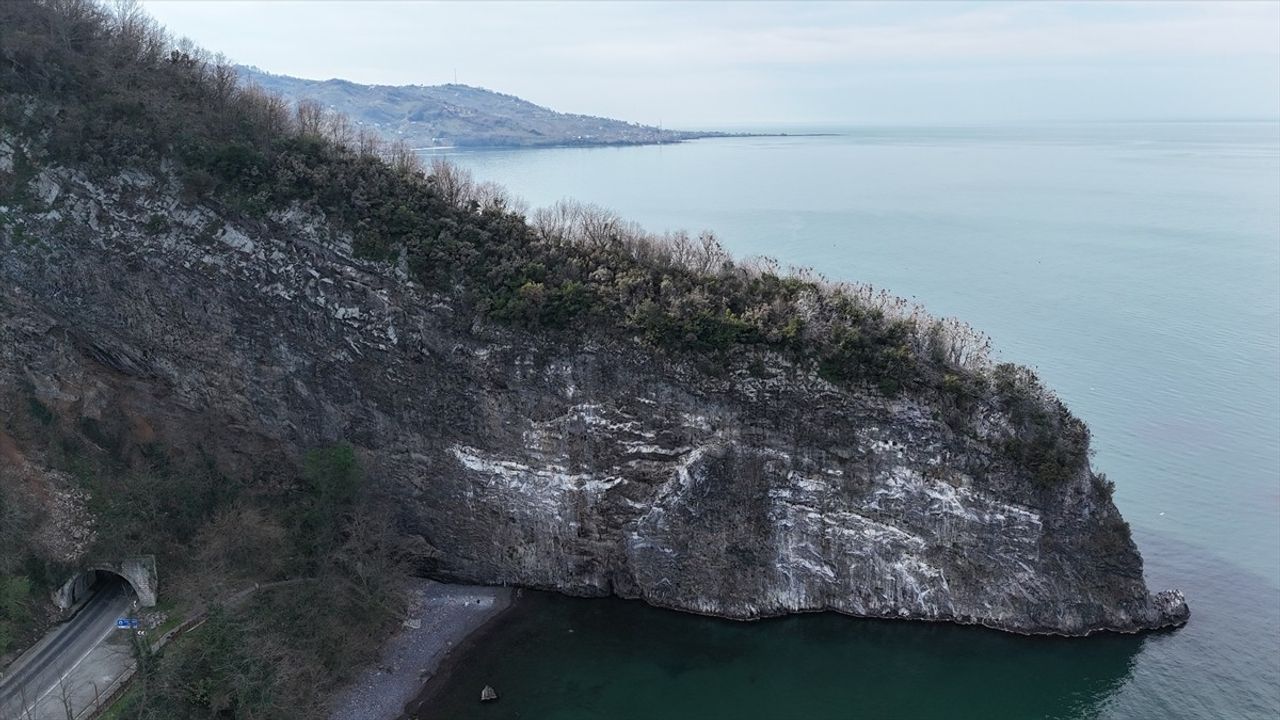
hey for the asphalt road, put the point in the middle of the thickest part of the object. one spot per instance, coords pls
(32, 677)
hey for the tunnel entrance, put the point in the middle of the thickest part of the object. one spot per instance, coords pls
(138, 574)
(85, 584)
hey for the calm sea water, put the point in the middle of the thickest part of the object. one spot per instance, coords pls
(1136, 266)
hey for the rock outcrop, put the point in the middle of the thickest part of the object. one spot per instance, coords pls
(588, 465)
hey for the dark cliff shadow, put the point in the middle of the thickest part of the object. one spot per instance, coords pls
(577, 658)
(574, 659)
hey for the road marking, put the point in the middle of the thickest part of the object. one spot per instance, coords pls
(94, 646)
(74, 665)
(59, 641)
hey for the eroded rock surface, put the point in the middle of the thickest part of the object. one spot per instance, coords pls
(586, 465)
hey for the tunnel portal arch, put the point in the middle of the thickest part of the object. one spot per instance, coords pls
(138, 572)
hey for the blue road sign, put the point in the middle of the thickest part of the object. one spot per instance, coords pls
(126, 623)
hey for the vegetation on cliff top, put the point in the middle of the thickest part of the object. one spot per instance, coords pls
(106, 91)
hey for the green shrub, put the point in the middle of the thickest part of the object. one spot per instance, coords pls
(15, 608)
(156, 224)
(39, 411)
(1048, 440)
(331, 481)
(332, 475)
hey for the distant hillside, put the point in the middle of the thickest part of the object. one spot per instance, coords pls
(445, 115)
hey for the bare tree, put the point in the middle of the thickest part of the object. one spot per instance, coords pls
(27, 709)
(555, 222)
(373, 556)
(310, 118)
(952, 342)
(597, 227)
(492, 196)
(193, 56)
(402, 158)
(270, 112)
(367, 143)
(223, 81)
(66, 697)
(338, 128)
(455, 185)
(708, 254)
(238, 542)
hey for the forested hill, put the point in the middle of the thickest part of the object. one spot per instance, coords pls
(444, 115)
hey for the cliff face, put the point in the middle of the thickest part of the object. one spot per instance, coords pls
(587, 465)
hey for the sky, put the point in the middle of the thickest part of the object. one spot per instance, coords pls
(721, 64)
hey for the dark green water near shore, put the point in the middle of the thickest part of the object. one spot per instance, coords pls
(557, 658)
(1137, 267)
(821, 666)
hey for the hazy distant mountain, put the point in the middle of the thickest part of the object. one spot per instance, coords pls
(443, 115)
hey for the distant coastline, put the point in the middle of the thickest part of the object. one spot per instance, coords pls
(688, 137)
(447, 117)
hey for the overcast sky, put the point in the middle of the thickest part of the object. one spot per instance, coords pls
(720, 63)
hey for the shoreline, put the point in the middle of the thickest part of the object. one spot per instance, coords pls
(419, 707)
(527, 604)
(467, 147)
(442, 620)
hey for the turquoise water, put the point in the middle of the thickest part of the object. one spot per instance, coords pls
(1137, 267)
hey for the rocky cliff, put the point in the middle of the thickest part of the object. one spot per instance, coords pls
(588, 463)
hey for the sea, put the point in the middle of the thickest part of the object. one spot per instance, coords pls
(1135, 266)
